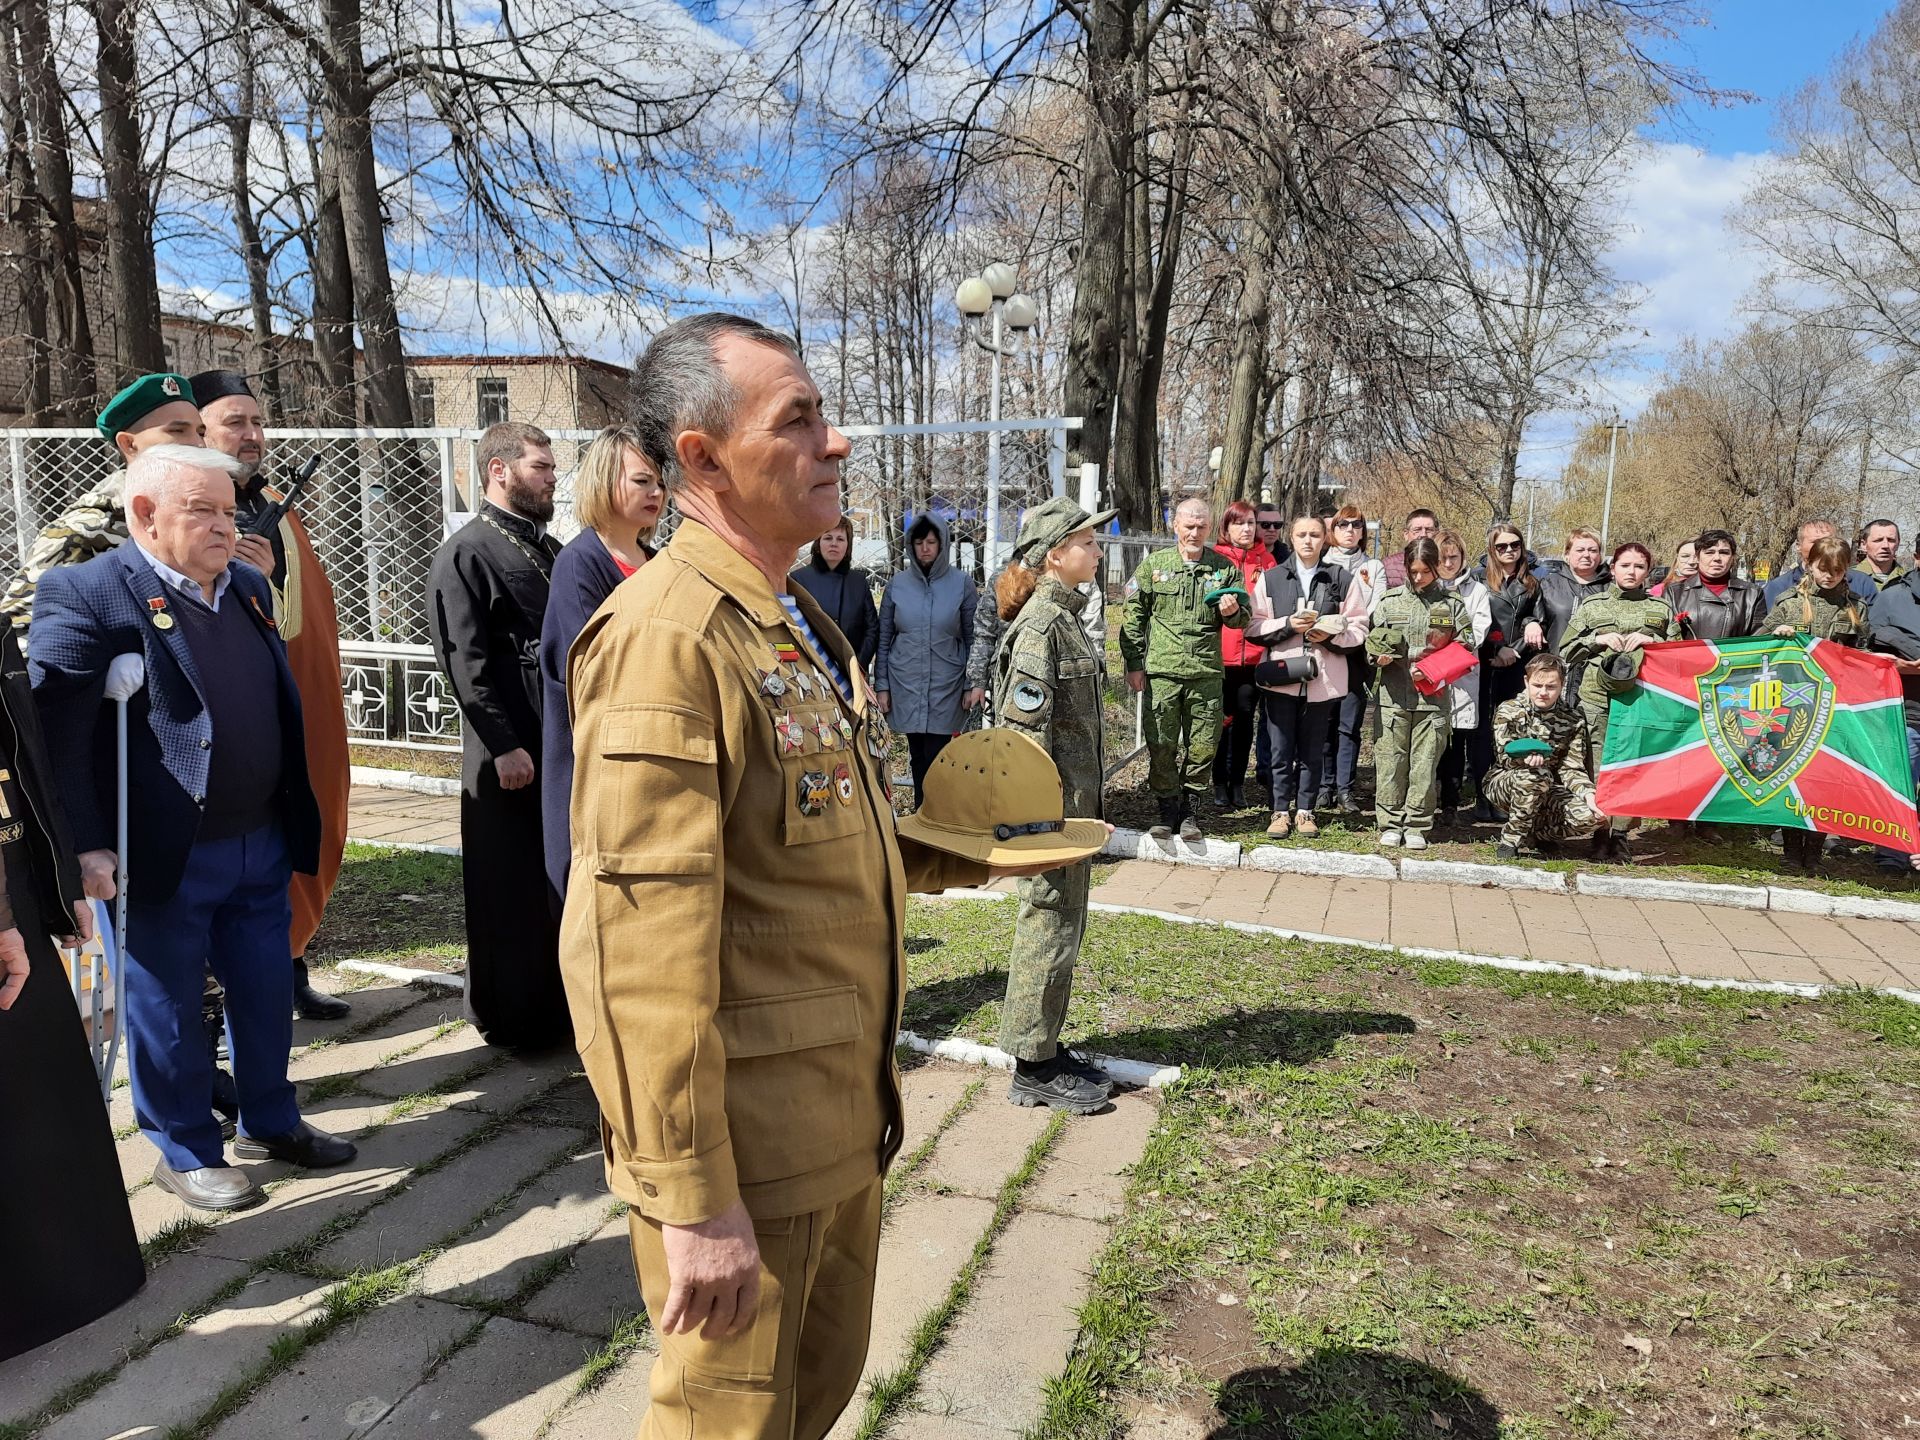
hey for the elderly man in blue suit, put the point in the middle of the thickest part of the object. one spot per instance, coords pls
(220, 813)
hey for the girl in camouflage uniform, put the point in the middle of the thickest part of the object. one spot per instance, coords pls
(1824, 606)
(1602, 644)
(1047, 685)
(1410, 622)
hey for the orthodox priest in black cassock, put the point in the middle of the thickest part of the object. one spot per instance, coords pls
(489, 586)
(68, 1253)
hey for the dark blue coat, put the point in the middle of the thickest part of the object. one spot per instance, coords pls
(584, 574)
(83, 616)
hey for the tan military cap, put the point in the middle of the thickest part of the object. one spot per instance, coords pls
(994, 795)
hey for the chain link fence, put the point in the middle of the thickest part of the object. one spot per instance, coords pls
(382, 501)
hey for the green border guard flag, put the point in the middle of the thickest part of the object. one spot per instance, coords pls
(1795, 732)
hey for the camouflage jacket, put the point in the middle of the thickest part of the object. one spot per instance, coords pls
(95, 523)
(1560, 725)
(1834, 615)
(1170, 628)
(1613, 612)
(1402, 619)
(1047, 684)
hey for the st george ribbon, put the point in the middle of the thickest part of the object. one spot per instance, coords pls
(1767, 730)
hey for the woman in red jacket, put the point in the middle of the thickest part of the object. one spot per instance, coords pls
(1244, 541)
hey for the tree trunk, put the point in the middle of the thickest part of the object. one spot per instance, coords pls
(75, 382)
(1241, 458)
(132, 284)
(253, 255)
(23, 252)
(349, 123)
(332, 283)
(1093, 340)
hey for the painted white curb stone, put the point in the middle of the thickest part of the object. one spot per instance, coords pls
(1136, 1073)
(1501, 877)
(1126, 844)
(1737, 897)
(382, 779)
(1859, 907)
(1288, 861)
(453, 850)
(405, 974)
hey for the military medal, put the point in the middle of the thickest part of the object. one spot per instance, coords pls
(786, 654)
(829, 737)
(162, 620)
(802, 681)
(788, 729)
(811, 791)
(843, 784)
(846, 729)
(876, 739)
(771, 685)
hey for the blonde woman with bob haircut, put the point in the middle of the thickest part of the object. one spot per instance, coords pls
(618, 494)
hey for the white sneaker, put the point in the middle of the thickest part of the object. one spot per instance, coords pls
(1389, 837)
(1416, 841)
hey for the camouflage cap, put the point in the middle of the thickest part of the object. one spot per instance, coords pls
(141, 399)
(1046, 525)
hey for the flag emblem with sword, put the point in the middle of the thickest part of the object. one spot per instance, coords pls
(1765, 717)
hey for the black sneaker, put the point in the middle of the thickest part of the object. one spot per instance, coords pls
(1504, 851)
(1077, 1062)
(1054, 1083)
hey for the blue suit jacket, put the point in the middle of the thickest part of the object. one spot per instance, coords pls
(83, 616)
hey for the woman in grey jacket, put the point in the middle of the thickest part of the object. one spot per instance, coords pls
(926, 629)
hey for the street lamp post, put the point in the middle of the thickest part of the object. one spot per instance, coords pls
(1606, 508)
(992, 290)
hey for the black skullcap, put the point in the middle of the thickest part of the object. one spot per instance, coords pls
(211, 385)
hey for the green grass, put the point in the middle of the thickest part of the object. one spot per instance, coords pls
(1432, 1189)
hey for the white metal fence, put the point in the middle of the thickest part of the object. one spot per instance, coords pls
(383, 500)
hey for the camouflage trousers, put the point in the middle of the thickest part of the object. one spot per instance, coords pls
(1539, 808)
(1046, 942)
(1182, 734)
(1406, 765)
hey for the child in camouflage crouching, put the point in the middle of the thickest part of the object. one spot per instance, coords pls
(1542, 775)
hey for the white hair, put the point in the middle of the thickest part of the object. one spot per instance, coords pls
(155, 472)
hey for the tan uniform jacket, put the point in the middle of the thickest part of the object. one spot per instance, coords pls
(732, 937)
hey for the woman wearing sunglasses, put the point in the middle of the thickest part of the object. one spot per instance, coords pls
(1251, 539)
(1517, 630)
(1347, 548)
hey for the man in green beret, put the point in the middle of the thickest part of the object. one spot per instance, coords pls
(1177, 602)
(153, 410)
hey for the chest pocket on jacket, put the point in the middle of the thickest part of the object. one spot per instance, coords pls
(656, 796)
(823, 799)
(1084, 667)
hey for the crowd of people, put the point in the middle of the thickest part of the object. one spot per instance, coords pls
(1275, 641)
(681, 856)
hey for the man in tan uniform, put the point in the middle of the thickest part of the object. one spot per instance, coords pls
(732, 936)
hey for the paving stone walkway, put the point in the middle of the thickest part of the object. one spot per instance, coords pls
(1648, 937)
(469, 1274)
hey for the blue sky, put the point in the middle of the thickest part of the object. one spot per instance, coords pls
(1675, 241)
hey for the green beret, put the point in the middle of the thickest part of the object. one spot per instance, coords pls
(141, 399)
(1046, 525)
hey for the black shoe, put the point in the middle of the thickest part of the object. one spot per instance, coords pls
(305, 1147)
(1237, 797)
(1084, 1068)
(1483, 812)
(1169, 818)
(1350, 804)
(1054, 1083)
(226, 1102)
(1597, 848)
(1618, 850)
(214, 1187)
(1221, 797)
(1449, 815)
(311, 1004)
(1504, 851)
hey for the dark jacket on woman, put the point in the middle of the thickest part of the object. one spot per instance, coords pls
(846, 594)
(1514, 606)
(1894, 622)
(584, 574)
(1735, 611)
(1561, 592)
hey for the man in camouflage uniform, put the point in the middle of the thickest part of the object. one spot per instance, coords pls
(1047, 685)
(153, 410)
(1170, 641)
(1547, 794)
(1415, 728)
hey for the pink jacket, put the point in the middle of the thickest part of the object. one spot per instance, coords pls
(1331, 682)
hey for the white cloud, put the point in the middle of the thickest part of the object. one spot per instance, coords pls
(1677, 245)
